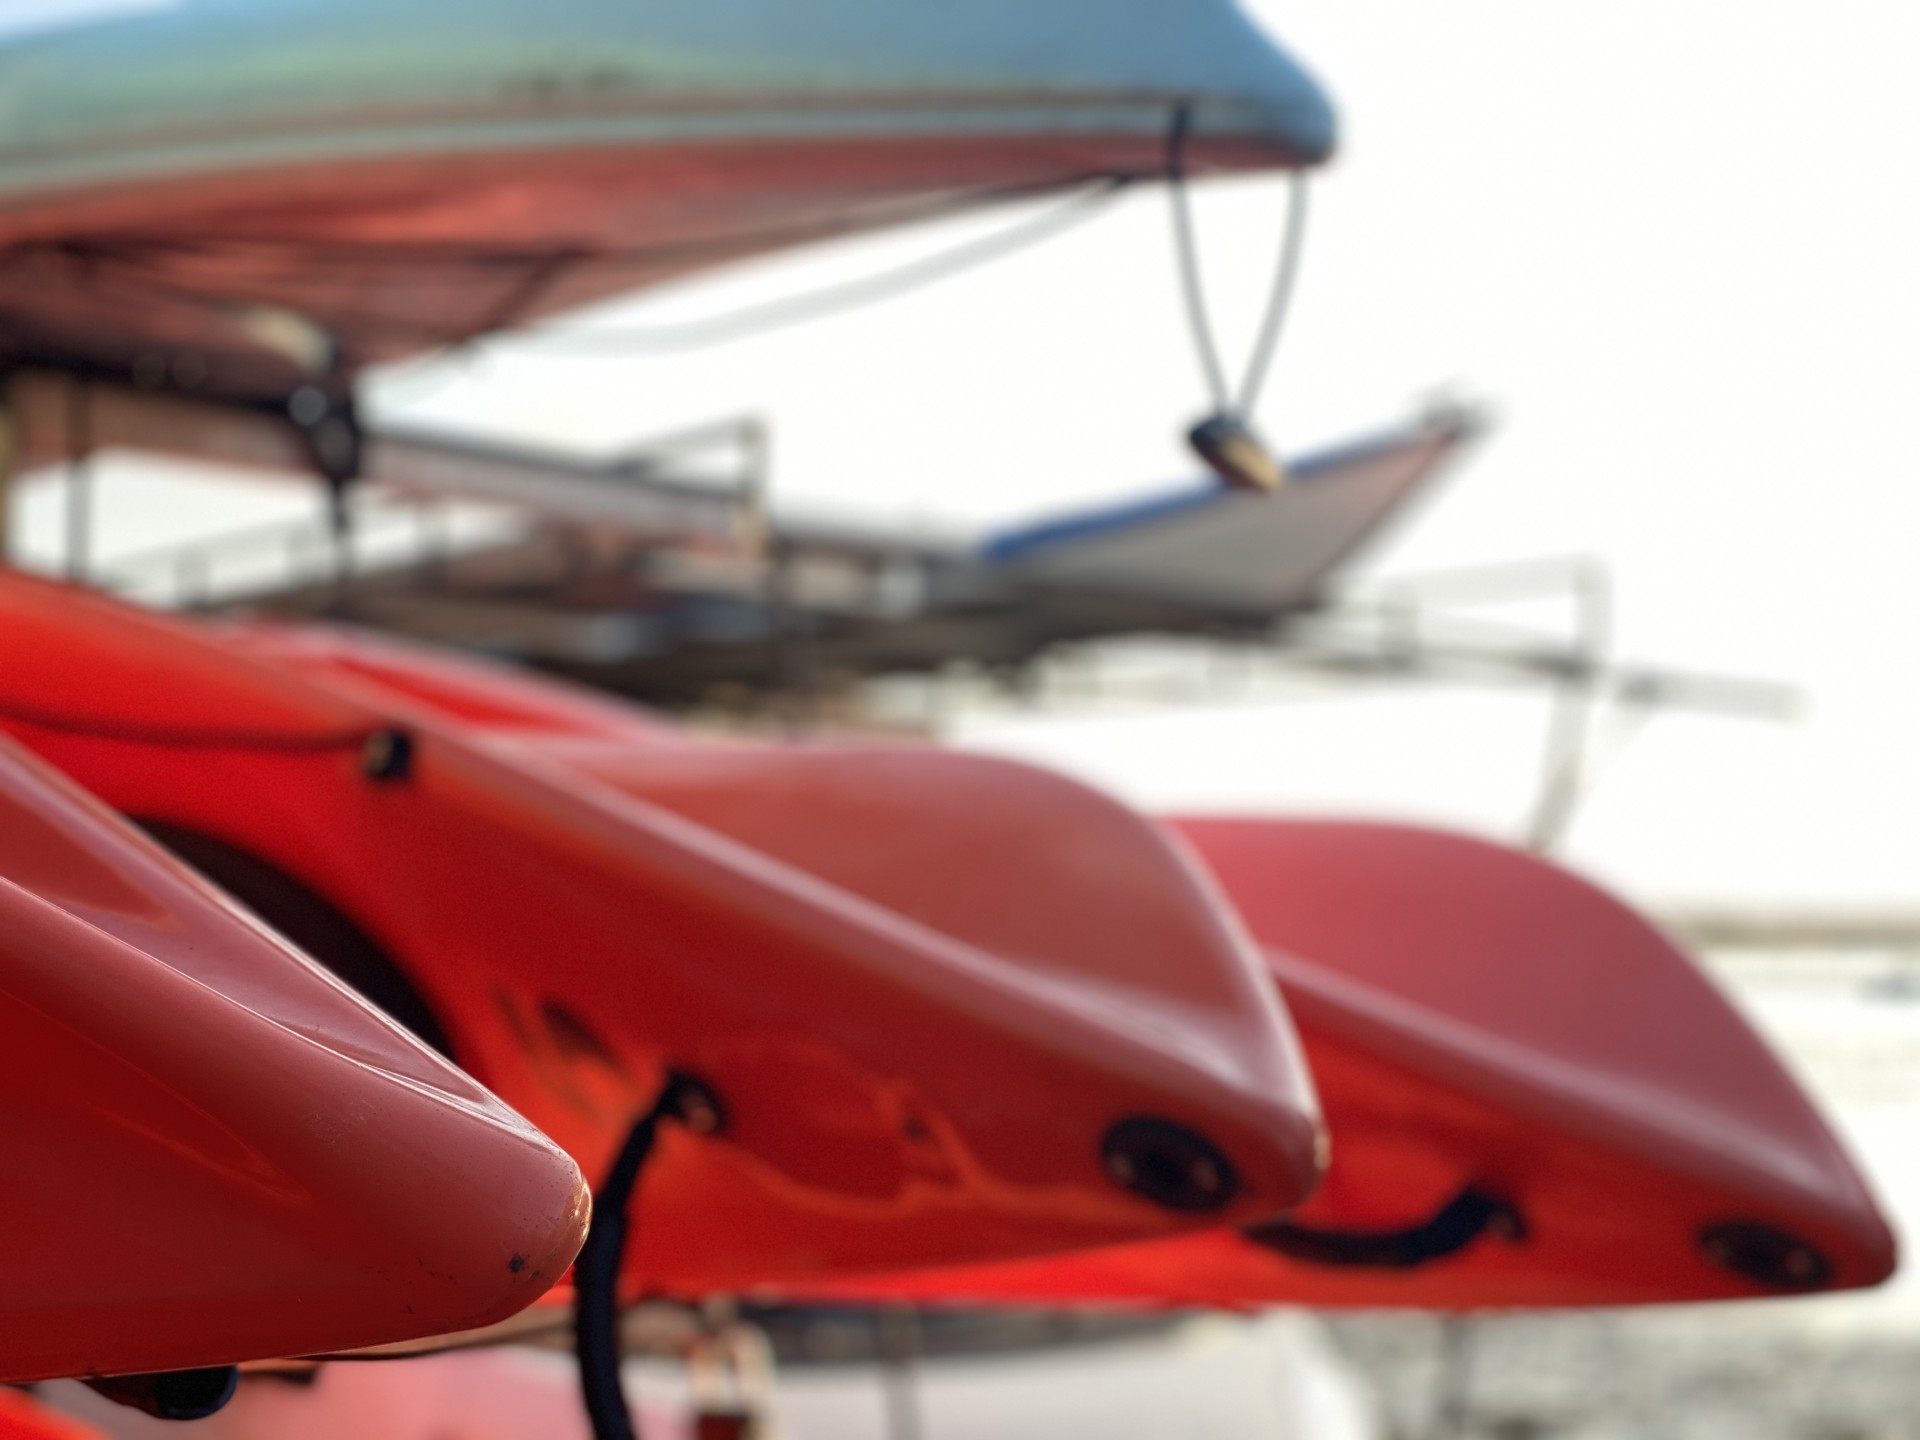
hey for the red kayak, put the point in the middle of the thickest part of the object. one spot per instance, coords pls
(214, 1151)
(1534, 1098)
(943, 1008)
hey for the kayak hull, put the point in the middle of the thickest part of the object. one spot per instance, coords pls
(1534, 1098)
(900, 1084)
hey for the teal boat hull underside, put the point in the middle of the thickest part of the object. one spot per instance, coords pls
(253, 192)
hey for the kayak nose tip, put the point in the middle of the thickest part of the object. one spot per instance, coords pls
(544, 1262)
(1304, 124)
(1240, 87)
(540, 1231)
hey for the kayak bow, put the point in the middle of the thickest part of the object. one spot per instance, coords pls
(1535, 1099)
(215, 1151)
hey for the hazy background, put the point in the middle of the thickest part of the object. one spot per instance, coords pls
(1673, 246)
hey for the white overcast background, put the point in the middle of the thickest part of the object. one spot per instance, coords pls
(1675, 248)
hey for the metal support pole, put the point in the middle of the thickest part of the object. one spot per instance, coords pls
(330, 424)
(1453, 1398)
(9, 465)
(792, 641)
(899, 1327)
(79, 526)
(1576, 700)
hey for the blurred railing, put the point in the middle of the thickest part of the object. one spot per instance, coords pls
(386, 535)
(433, 500)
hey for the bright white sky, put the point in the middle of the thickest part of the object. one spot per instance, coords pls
(1676, 247)
(20, 16)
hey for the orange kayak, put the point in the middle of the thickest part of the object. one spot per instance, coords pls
(1534, 1098)
(215, 1152)
(950, 1008)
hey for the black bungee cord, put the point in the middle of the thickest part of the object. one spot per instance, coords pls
(596, 1274)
